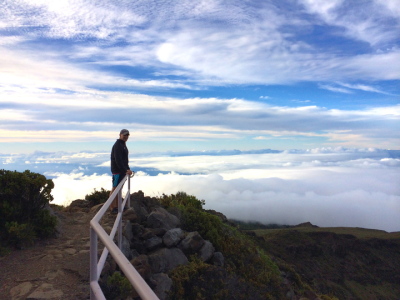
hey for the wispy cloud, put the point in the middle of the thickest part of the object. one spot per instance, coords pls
(348, 88)
(363, 24)
(251, 46)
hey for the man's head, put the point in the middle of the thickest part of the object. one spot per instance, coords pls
(124, 134)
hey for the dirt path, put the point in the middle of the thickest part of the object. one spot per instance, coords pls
(55, 269)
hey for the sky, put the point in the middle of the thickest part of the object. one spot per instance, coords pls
(278, 111)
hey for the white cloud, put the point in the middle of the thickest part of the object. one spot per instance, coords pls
(326, 186)
(69, 187)
(325, 198)
(335, 89)
(364, 24)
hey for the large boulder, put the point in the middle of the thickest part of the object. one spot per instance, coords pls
(218, 259)
(191, 243)
(162, 285)
(166, 259)
(79, 205)
(127, 231)
(207, 251)
(126, 248)
(160, 218)
(130, 215)
(153, 243)
(172, 237)
(137, 229)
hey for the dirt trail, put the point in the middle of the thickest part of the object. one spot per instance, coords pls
(55, 269)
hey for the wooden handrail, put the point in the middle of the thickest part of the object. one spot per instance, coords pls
(97, 232)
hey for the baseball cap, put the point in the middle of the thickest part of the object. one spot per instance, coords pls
(124, 132)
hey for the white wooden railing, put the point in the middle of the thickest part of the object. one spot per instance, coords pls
(97, 232)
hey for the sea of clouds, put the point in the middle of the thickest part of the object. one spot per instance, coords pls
(325, 186)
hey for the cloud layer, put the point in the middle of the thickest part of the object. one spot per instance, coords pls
(326, 186)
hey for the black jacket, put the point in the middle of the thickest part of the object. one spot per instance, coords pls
(119, 158)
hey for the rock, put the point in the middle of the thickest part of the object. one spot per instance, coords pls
(138, 246)
(166, 259)
(173, 236)
(70, 251)
(53, 274)
(218, 259)
(310, 295)
(46, 291)
(162, 284)
(130, 215)
(153, 243)
(79, 205)
(192, 243)
(158, 231)
(207, 251)
(142, 213)
(147, 234)
(137, 229)
(126, 248)
(96, 208)
(160, 218)
(127, 231)
(19, 291)
(134, 253)
(141, 264)
(137, 202)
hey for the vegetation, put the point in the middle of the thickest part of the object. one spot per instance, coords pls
(361, 233)
(254, 225)
(345, 263)
(23, 199)
(117, 287)
(248, 270)
(97, 197)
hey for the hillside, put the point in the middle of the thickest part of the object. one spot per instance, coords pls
(217, 260)
(348, 263)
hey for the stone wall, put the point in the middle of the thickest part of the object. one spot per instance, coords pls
(155, 244)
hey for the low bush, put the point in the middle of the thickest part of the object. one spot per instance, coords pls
(253, 268)
(97, 197)
(23, 214)
(117, 287)
(181, 200)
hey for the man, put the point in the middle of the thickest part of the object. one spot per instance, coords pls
(119, 164)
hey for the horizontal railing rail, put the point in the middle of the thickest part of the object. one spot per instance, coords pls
(97, 232)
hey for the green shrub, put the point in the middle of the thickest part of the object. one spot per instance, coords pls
(181, 199)
(242, 255)
(44, 224)
(23, 198)
(118, 287)
(97, 197)
(20, 234)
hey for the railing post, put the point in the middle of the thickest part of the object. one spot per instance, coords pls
(129, 191)
(120, 210)
(93, 259)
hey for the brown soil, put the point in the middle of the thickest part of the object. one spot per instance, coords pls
(54, 269)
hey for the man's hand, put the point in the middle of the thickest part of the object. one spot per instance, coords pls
(129, 172)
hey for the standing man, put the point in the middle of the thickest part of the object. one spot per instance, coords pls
(119, 164)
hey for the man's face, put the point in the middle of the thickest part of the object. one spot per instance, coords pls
(124, 137)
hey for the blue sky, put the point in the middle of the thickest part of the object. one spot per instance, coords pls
(192, 76)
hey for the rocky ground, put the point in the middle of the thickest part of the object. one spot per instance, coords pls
(55, 269)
